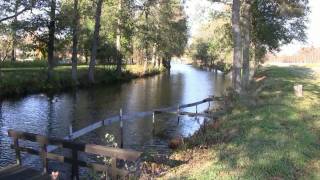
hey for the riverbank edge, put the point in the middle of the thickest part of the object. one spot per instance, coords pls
(214, 67)
(11, 88)
(227, 149)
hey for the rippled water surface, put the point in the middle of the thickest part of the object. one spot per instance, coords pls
(52, 116)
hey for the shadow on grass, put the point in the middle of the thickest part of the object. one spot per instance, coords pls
(278, 138)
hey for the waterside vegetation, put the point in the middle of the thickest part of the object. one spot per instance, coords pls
(23, 79)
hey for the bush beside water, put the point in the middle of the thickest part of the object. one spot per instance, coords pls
(23, 78)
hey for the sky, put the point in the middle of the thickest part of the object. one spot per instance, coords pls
(313, 31)
(199, 11)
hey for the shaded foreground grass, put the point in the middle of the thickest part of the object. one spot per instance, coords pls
(269, 135)
(25, 80)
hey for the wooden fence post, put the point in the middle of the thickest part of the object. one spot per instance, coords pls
(75, 166)
(113, 168)
(44, 158)
(298, 90)
(178, 114)
(196, 109)
(70, 131)
(121, 129)
(153, 123)
(18, 154)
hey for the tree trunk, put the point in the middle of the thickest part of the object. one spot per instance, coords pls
(118, 38)
(246, 44)
(75, 40)
(86, 55)
(256, 56)
(236, 74)
(146, 43)
(95, 42)
(145, 62)
(154, 55)
(52, 29)
(14, 31)
(158, 61)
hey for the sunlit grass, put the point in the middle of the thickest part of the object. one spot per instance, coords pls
(277, 138)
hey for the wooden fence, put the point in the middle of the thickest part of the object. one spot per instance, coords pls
(48, 145)
(116, 155)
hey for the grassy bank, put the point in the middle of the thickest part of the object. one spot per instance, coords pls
(27, 79)
(271, 134)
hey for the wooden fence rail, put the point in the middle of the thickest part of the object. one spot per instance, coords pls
(196, 104)
(114, 153)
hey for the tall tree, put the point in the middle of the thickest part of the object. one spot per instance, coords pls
(14, 30)
(95, 42)
(118, 38)
(236, 72)
(277, 23)
(246, 22)
(52, 29)
(75, 39)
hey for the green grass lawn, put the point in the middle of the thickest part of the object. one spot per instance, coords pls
(21, 80)
(273, 135)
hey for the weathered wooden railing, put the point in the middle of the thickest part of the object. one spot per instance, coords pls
(179, 111)
(114, 153)
(122, 118)
(195, 104)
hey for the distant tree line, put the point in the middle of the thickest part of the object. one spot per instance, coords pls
(304, 55)
(118, 32)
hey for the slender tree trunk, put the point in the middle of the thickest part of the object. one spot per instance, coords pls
(246, 44)
(256, 56)
(158, 61)
(146, 43)
(86, 54)
(95, 42)
(75, 40)
(154, 55)
(236, 74)
(52, 29)
(14, 32)
(118, 38)
(145, 62)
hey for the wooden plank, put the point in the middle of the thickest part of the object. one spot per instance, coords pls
(26, 149)
(123, 154)
(95, 166)
(45, 140)
(196, 103)
(208, 115)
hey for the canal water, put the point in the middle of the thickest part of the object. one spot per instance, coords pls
(52, 116)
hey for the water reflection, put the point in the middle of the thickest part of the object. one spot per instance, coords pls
(52, 115)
